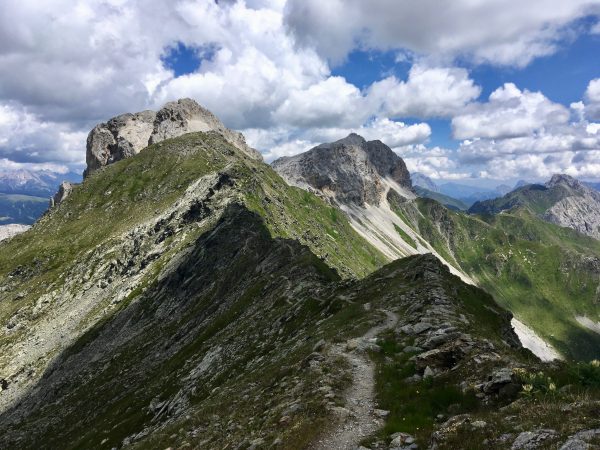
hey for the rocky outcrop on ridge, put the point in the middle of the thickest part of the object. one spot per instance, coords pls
(127, 134)
(349, 171)
(64, 190)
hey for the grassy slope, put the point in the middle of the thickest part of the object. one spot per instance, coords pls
(131, 191)
(545, 274)
(294, 213)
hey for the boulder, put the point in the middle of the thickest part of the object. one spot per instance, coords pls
(575, 444)
(529, 440)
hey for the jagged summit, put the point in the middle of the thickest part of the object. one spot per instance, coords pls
(351, 139)
(127, 134)
(351, 170)
(564, 180)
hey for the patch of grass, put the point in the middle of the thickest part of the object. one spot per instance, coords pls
(405, 237)
(414, 406)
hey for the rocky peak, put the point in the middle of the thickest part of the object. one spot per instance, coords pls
(127, 134)
(577, 208)
(348, 171)
(351, 139)
(561, 179)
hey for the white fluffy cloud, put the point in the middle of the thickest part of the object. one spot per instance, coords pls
(488, 31)
(542, 166)
(265, 68)
(331, 102)
(520, 134)
(75, 63)
(509, 113)
(436, 162)
(592, 100)
(26, 139)
(428, 92)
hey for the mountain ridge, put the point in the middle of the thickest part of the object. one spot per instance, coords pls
(186, 296)
(136, 299)
(562, 200)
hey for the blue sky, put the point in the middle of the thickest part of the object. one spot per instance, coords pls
(562, 76)
(497, 90)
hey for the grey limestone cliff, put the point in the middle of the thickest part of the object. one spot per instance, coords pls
(351, 170)
(580, 210)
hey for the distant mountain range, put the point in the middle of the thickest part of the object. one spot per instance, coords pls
(25, 194)
(42, 183)
(456, 195)
(563, 200)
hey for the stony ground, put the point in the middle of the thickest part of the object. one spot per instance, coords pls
(359, 418)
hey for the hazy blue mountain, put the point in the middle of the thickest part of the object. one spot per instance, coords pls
(419, 179)
(36, 183)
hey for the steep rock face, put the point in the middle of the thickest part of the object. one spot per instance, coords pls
(349, 171)
(127, 134)
(580, 211)
(563, 200)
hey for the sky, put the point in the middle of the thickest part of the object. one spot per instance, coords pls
(476, 91)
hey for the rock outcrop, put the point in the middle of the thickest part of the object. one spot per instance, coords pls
(127, 134)
(64, 190)
(349, 171)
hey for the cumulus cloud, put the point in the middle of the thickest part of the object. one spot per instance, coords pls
(542, 166)
(265, 68)
(592, 100)
(482, 31)
(519, 134)
(523, 134)
(75, 63)
(331, 102)
(428, 92)
(436, 162)
(509, 113)
(24, 138)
